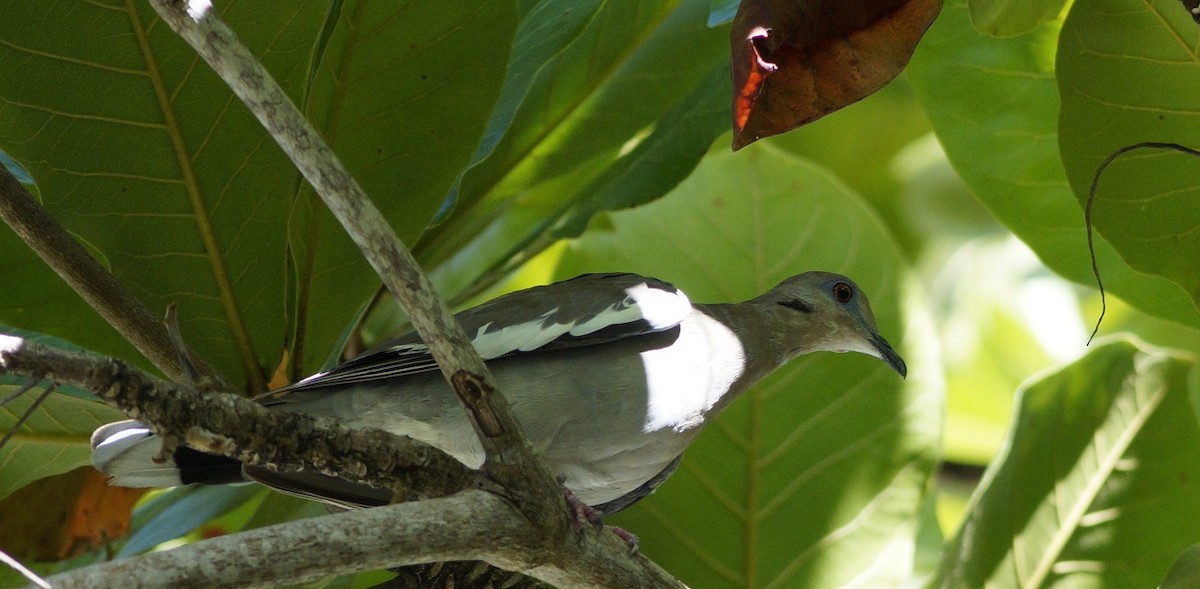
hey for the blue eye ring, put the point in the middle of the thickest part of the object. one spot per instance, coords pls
(842, 292)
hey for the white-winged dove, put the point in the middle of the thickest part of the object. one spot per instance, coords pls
(610, 375)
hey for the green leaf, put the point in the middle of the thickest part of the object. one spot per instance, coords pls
(1009, 18)
(149, 160)
(179, 191)
(1125, 72)
(605, 89)
(1185, 573)
(402, 94)
(545, 31)
(994, 106)
(818, 474)
(519, 228)
(875, 130)
(182, 510)
(1096, 484)
(56, 438)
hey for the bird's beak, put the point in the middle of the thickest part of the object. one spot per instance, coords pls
(889, 355)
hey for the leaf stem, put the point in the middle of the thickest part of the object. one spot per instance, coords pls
(1091, 201)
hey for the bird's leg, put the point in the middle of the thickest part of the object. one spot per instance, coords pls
(631, 540)
(584, 513)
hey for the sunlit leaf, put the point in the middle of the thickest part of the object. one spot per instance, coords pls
(1008, 18)
(545, 213)
(994, 106)
(1125, 70)
(54, 439)
(597, 95)
(1095, 485)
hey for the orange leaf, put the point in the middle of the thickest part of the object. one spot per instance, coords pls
(61, 516)
(795, 61)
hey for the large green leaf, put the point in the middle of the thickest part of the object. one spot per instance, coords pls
(1096, 486)
(631, 63)
(874, 130)
(54, 439)
(994, 106)
(1127, 72)
(148, 159)
(547, 212)
(815, 478)
(402, 93)
(1185, 573)
(1008, 18)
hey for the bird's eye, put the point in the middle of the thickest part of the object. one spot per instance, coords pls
(843, 292)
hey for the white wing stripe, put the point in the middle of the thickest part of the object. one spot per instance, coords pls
(660, 308)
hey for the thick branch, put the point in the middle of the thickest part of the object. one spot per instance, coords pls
(100, 289)
(470, 525)
(243, 429)
(510, 459)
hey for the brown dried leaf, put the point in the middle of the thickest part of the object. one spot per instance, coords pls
(61, 516)
(794, 61)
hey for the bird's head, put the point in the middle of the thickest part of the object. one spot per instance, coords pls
(836, 316)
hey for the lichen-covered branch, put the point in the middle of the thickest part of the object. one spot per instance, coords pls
(243, 429)
(478, 524)
(466, 526)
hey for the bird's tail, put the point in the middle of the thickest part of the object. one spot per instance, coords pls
(126, 452)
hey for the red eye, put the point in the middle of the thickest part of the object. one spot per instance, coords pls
(843, 292)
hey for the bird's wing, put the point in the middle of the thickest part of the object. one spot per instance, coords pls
(587, 310)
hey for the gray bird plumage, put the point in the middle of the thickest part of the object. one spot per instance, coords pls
(610, 375)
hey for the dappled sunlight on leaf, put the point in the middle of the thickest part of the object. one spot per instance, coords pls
(1096, 480)
(1125, 72)
(995, 109)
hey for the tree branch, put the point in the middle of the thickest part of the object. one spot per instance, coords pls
(534, 534)
(243, 429)
(99, 288)
(469, 525)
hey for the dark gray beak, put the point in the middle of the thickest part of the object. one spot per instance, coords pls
(889, 355)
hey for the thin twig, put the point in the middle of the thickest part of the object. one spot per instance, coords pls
(1087, 215)
(21, 391)
(20, 568)
(25, 416)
